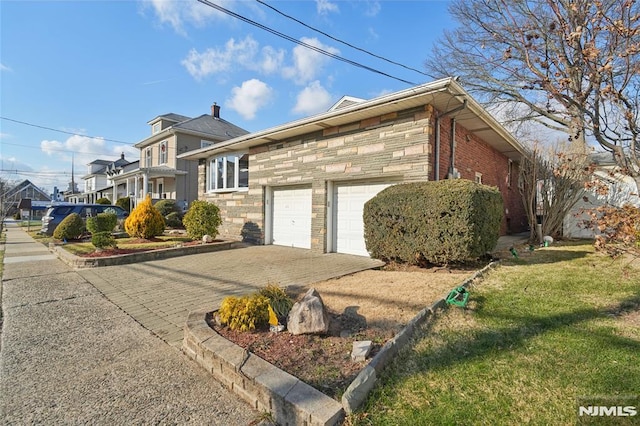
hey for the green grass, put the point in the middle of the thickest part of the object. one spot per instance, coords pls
(539, 332)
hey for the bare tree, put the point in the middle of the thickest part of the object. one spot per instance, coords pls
(570, 65)
(551, 183)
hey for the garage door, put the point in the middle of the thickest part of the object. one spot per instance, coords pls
(292, 217)
(349, 204)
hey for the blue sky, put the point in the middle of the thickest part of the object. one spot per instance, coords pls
(105, 68)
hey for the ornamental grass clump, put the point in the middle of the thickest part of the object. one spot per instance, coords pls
(279, 301)
(145, 221)
(249, 312)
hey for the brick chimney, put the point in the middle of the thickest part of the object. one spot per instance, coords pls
(215, 110)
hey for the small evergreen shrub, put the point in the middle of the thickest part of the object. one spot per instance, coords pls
(438, 222)
(279, 301)
(103, 200)
(244, 313)
(201, 219)
(173, 220)
(165, 207)
(102, 222)
(103, 239)
(70, 228)
(145, 221)
(125, 203)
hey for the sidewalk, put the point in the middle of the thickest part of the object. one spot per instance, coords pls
(68, 355)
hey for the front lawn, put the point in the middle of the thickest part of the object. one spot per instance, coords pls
(540, 333)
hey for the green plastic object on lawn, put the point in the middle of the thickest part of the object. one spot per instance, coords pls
(459, 296)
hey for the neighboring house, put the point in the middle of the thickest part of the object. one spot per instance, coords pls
(98, 182)
(24, 190)
(619, 190)
(304, 183)
(160, 172)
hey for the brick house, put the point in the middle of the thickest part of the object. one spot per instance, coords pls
(160, 172)
(304, 183)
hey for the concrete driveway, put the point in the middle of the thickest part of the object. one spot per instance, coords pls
(160, 294)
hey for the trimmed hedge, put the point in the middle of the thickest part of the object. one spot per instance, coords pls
(439, 222)
(102, 222)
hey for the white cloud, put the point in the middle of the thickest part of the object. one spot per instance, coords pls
(324, 7)
(242, 53)
(179, 13)
(84, 150)
(312, 99)
(307, 63)
(3, 67)
(249, 98)
(373, 8)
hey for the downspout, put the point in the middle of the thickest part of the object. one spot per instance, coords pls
(436, 157)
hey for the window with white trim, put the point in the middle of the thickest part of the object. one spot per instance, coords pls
(229, 172)
(162, 152)
(478, 177)
(147, 157)
(156, 128)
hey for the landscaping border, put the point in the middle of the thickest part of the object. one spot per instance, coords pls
(144, 256)
(289, 400)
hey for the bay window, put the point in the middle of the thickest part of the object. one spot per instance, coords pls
(229, 172)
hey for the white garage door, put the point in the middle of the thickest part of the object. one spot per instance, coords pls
(349, 204)
(292, 217)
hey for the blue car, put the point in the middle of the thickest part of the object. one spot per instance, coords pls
(55, 214)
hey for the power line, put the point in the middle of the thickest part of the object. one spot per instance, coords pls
(62, 131)
(341, 41)
(301, 43)
(57, 149)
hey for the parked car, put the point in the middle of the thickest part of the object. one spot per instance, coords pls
(55, 214)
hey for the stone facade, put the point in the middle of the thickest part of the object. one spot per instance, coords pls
(391, 148)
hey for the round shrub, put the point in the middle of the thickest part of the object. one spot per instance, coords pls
(145, 221)
(102, 222)
(202, 219)
(103, 200)
(103, 239)
(173, 220)
(70, 228)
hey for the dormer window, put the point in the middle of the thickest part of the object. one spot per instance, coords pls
(156, 128)
(162, 154)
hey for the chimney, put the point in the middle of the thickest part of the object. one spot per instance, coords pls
(215, 110)
(122, 156)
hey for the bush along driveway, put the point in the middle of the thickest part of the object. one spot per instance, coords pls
(543, 335)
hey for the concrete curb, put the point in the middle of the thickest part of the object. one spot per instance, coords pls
(124, 259)
(288, 399)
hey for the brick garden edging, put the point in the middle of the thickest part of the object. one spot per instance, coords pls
(145, 256)
(291, 401)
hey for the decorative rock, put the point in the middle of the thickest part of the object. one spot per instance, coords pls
(309, 315)
(207, 238)
(361, 350)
